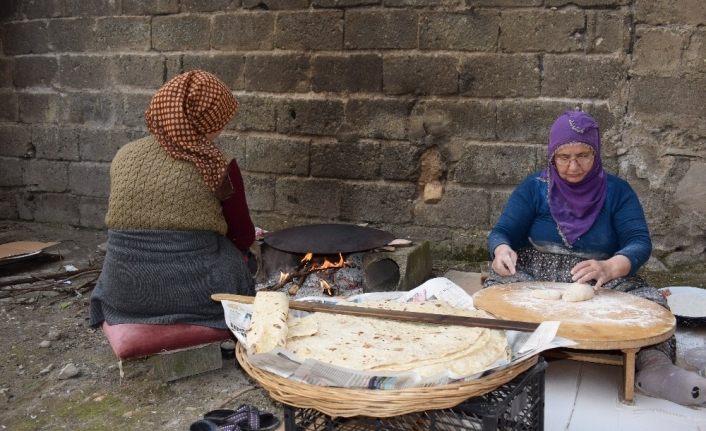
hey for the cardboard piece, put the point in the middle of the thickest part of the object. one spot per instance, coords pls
(20, 249)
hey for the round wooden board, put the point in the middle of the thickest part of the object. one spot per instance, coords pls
(609, 321)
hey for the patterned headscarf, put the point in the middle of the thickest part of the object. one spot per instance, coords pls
(575, 206)
(185, 110)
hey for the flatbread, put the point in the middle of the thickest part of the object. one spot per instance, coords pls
(268, 325)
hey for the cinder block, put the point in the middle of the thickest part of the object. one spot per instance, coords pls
(541, 30)
(181, 33)
(495, 164)
(150, 7)
(528, 121)
(98, 145)
(91, 8)
(92, 212)
(84, 71)
(177, 364)
(310, 30)
(399, 160)
(144, 71)
(7, 66)
(50, 208)
(402, 269)
(124, 33)
(463, 118)
(9, 108)
(589, 3)
(255, 112)
(133, 109)
(42, 9)
(355, 160)
(696, 52)
(260, 191)
(28, 37)
(46, 175)
(243, 31)
(38, 107)
(274, 155)
(463, 31)
(71, 34)
(380, 203)
(11, 172)
(670, 12)
(15, 140)
(8, 205)
(208, 5)
(350, 73)
(310, 117)
(420, 74)
(90, 179)
(498, 199)
(592, 77)
(275, 4)
(670, 95)
(307, 197)
(380, 29)
(233, 145)
(658, 51)
(459, 207)
(35, 71)
(378, 118)
(608, 31)
(498, 75)
(277, 73)
(343, 3)
(227, 67)
(90, 109)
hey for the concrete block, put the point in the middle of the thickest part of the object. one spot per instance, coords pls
(691, 12)
(7, 66)
(35, 71)
(50, 208)
(29, 37)
(41, 9)
(250, 31)
(608, 31)
(91, 8)
(528, 121)
(208, 5)
(343, 3)
(71, 34)
(8, 205)
(463, 118)
(133, 109)
(498, 200)
(260, 191)
(92, 212)
(177, 364)
(658, 51)
(15, 140)
(90, 109)
(378, 118)
(353, 160)
(144, 71)
(495, 164)
(695, 55)
(255, 112)
(310, 30)
(227, 67)
(275, 4)
(420, 74)
(507, 3)
(308, 197)
(90, 179)
(150, 7)
(46, 175)
(233, 145)
(423, 3)
(277, 73)
(310, 117)
(588, 77)
(275, 155)
(124, 33)
(471, 30)
(84, 71)
(374, 29)
(541, 30)
(498, 75)
(39, 107)
(349, 73)
(681, 98)
(377, 202)
(181, 32)
(461, 207)
(11, 172)
(399, 160)
(10, 106)
(400, 270)
(586, 3)
(99, 145)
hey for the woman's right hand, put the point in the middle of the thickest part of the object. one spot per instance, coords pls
(505, 260)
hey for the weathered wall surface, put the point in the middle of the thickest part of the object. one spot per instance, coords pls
(417, 116)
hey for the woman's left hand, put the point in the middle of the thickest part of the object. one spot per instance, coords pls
(602, 271)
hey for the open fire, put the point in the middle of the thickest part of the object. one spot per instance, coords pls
(307, 265)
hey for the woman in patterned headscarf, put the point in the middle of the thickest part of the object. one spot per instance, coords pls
(574, 222)
(177, 215)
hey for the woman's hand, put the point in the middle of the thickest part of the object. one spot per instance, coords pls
(602, 271)
(504, 261)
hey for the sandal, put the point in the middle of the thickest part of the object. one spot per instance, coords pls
(246, 418)
(204, 425)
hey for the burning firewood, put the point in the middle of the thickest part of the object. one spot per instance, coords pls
(305, 268)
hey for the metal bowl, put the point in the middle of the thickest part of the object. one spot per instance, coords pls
(694, 294)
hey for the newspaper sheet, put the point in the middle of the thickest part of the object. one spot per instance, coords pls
(287, 365)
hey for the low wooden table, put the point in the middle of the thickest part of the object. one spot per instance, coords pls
(611, 320)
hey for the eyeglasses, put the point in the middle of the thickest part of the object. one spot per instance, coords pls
(582, 159)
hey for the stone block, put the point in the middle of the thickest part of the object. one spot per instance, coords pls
(460, 207)
(71, 34)
(423, 3)
(347, 73)
(310, 30)
(260, 191)
(277, 73)
(498, 200)
(471, 30)
(495, 164)
(150, 7)
(498, 75)
(400, 270)
(504, 3)
(39, 107)
(275, 4)
(528, 121)
(658, 51)
(15, 140)
(308, 197)
(41, 9)
(679, 101)
(28, 37)
(91, 109)
(353, 160)
(46, 175)
(255, 112)
(208, 5)
(233, 145)
(177, 364)
(84, 71)
(542, 30)
(90, 179)
(399, 160)
(420, 74)
(92, 212)
(181, 32)
(691, 12)
(11, 172)
(588, 77)
(276, 155)
(52, 144)
(227, 67)
(378, 118)
(143, 71)
(7, 67)
(133, 109)
(608, 31)
(172, 65)
(123, 33)
(35, 71)
(91, 7)
(250, 31)
(695, 54)
(586, 3)
(375, 29)
(49, 207)
(309, 117)
(463, 118)
(343, 3)
(377, 202)
(99, 145)
(9, 108)
(8, 205)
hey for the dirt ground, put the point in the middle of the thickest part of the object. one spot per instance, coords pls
(44, 331)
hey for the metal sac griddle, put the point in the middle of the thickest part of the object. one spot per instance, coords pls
(328, 239)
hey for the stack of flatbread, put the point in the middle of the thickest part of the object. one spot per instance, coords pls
(369, 344)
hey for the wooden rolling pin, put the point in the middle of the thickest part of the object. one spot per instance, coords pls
(403, 316)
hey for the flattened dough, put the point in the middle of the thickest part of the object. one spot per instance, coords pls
(578, 292)
(553, 294)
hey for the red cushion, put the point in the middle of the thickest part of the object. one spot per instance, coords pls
(132, 340)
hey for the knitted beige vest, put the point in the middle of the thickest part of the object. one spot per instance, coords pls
(151, 190)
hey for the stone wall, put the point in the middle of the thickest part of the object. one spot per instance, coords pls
(416, 116)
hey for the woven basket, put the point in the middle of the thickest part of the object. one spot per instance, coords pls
(344, 402)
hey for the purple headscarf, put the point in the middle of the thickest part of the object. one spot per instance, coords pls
(575, 206)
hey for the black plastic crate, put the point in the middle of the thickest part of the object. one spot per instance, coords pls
(516, 405)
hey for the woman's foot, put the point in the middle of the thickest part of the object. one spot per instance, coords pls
(659, 378)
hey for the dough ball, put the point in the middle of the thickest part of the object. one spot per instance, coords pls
(546, 293)
(578, 292)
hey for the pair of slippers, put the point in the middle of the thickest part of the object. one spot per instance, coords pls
(245, 418)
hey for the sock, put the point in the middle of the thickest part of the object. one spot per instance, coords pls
(659, 378)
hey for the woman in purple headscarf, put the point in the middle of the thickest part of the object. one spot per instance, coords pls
(574, 222)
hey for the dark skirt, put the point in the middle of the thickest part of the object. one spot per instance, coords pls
(165, 277)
